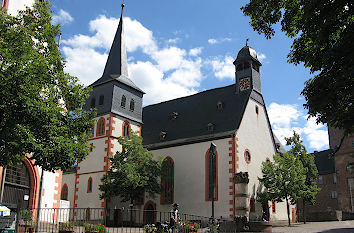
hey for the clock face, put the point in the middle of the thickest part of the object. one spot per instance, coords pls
(245, 84)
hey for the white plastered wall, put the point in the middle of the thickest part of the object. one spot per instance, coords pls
(16, 5)
(48, 188)
(189, 178)
(254, 135)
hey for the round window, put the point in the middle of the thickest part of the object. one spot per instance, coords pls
(247, 156)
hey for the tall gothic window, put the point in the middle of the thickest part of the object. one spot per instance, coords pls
(126, 127)
(100, 127)
(211, 178)
(123, 101)
(64, 192)
(167, 181)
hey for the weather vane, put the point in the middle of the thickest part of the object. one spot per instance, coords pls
(247, 41)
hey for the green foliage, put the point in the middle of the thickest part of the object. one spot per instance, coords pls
(67, 226)
(150, 228)
(323, 40)
(41, 107)
(283, 178)
(95, 228)
(310, 189)
(26, 216)
(133, 171)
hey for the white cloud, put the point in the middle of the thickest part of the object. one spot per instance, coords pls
(261, 56)
(223, 68)
(220, 40)
(173, 41)
(62, 18)
(286, 118)
(168, 73)
(195, 51)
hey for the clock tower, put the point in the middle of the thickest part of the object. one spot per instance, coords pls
(247, 70)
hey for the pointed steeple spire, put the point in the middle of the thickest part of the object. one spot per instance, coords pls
(117, 59)
(117, 66)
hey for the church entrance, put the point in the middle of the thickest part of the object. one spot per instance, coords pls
(149, 212)
(17, 186)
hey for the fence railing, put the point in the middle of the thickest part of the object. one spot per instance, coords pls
(114, 220)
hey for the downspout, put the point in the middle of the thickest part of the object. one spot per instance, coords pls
(233, 173)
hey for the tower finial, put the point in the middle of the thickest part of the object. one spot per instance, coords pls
(247, 41)
(123, 5)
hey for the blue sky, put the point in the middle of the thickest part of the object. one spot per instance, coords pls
(177, 48)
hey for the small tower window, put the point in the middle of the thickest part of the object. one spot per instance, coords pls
(163, 135)
(123, 101)
(131, 107)
(210, 127)
(93, 102)
(219, 105)
(89, 185)
(101, 100)
(257, 110)
(247, 156)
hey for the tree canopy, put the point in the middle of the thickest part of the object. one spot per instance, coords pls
(41, 106)
(310, 189)
(323, 40)
(133, 171)
(283, 179)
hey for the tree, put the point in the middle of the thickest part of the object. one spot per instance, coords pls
(283, 179)
(41, 107)
(310, 188)
(133, 171)
(324, 42)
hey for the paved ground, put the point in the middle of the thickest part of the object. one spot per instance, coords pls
(312, 227)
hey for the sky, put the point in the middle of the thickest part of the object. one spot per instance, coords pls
(178, 48)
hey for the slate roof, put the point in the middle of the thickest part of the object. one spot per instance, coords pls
(247, 53)
(195, 112)
(324, 162)
(116, 68)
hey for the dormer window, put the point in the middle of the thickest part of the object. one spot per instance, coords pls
(162, 135)
(101, 100)
(210, 127)
(219, 105)
(174, 115)
(123, 101)
(93, 102)
(131, 107)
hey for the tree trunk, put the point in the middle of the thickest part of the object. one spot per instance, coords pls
(288, 209)
(303, 210)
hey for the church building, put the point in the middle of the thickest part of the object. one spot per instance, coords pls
(233, 119)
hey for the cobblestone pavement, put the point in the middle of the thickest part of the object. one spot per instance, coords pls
(312, 227)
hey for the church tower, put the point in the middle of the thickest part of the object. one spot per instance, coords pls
(118, 102)
(247, 70)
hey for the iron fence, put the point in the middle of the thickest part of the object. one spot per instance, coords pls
(79, 220)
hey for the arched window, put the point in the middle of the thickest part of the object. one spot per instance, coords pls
(211, 176)
(100, 127)
(132, 105)
(167, 181)
(126, 127)
(89, 185)
(64, 192)
(247, 156)
(122, 102)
